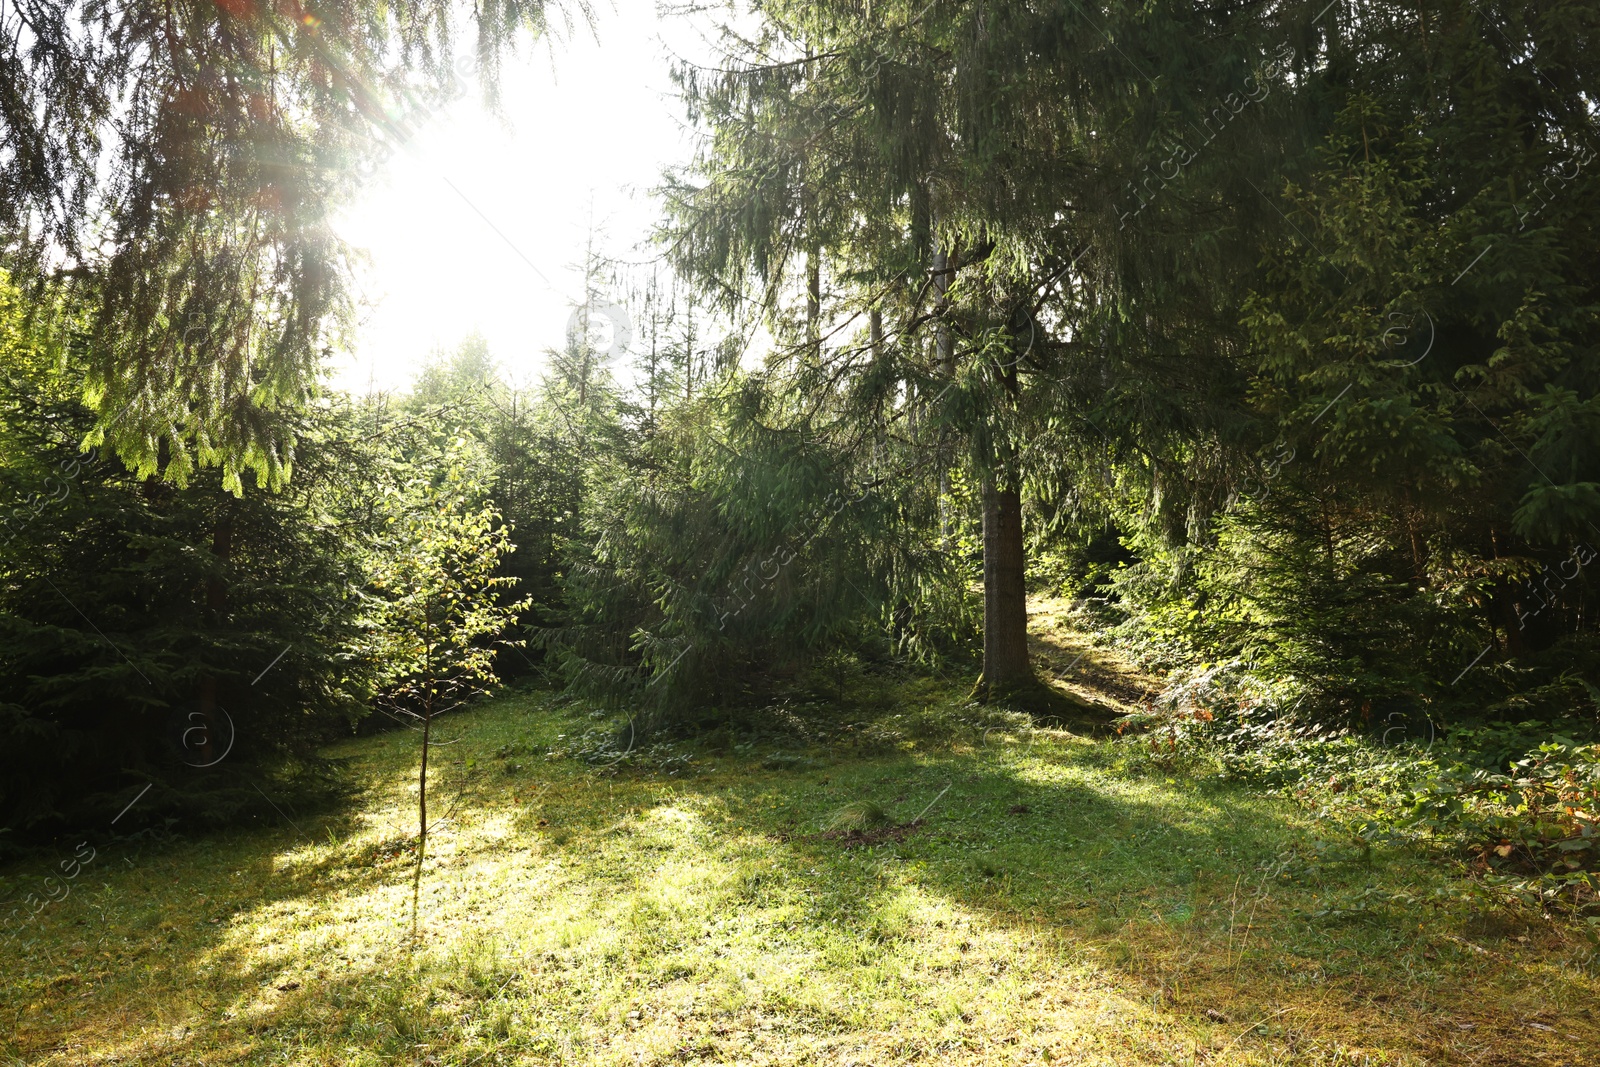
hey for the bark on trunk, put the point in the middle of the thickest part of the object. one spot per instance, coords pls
(1006, 668)
(422, 789)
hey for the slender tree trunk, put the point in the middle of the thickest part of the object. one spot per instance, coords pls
(422, 777)
(808, 212)
(422, 787)
(1006, 668)
(422, 818)
(688, 354)
(944, 341)
(1007, 671)
(945, 358)
(814, 303)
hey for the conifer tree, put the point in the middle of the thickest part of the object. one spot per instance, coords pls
(177, 164)
(954, 166)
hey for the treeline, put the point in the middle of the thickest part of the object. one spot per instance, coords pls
(189, 638)
(203, 640)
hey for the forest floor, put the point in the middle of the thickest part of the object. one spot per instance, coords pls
(992, 894)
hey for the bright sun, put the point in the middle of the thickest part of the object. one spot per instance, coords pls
(480, 223)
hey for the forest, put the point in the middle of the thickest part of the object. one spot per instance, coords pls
(1068, 540)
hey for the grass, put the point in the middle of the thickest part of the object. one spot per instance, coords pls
(1059, 901)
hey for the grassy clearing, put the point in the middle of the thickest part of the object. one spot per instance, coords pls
(1056, 904)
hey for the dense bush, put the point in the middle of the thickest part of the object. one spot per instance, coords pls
(176, 635)
(184, 637)
(717, 575)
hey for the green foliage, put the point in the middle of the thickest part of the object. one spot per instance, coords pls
(1330, 436)
(178, 166)
(132, 610)
(437, 623)
(734, 546)
(1533, 831)
(1411, 352)
(1524, 824)
(523, 451)
(205, 642)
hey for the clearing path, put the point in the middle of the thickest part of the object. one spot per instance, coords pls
(1068, 660)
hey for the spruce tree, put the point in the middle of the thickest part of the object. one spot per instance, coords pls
(957, 169)
(177, 165)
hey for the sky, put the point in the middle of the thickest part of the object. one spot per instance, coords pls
(480, 224)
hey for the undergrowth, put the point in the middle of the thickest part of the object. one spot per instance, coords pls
(1515, 805)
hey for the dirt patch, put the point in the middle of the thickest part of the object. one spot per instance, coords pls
(858, 838)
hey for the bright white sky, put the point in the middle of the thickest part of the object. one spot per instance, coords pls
(589, 123)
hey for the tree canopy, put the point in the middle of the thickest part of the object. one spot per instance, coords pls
(174, 166)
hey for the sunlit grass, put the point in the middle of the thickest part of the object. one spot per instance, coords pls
(1055, 905)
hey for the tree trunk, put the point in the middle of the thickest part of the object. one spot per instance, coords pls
(422, 818)
(1005, 606)
(944, 346)
(422, 789)
(814, 304)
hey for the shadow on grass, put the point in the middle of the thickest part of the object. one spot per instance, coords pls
(1217, 908)
(1045, 899)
